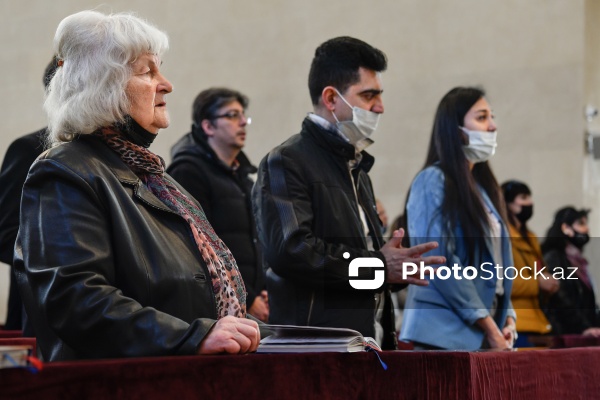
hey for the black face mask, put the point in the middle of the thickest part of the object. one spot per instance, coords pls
(525, 214)
(579, 239)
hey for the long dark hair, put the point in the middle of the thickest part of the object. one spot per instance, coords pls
(555, 238)
(462, 204)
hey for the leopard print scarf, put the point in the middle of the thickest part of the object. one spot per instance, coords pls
(228, 286)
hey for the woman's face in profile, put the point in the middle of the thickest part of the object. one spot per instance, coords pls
(581, 225)
(146, 91)
(480, 117)
(520, 200)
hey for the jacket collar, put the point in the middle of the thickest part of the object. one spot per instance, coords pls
(245, 167)
(125, 175)
(331, 141)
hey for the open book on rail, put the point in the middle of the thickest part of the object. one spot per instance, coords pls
(309, 339)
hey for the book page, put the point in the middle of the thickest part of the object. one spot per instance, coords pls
(291, 339)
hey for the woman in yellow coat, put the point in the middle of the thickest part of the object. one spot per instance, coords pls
(531, 321)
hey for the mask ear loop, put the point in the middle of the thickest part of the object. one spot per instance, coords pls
(334, 116)
(342, 97)
(344, 100)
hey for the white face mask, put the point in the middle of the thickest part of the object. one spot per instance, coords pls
(359, 130)
(482, 145)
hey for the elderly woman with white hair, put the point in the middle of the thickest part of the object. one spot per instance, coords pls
(113, 257)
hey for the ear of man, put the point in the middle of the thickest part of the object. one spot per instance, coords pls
(208, 127)
(329, 98)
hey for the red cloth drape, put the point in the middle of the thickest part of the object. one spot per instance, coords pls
(536, 374)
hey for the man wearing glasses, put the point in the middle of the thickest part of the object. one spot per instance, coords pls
(209, 163)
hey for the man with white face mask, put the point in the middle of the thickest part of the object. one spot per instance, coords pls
(315, 207)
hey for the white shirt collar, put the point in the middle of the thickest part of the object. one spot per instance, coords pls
(323, 123)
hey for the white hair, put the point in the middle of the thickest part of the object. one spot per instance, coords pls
(96, 50)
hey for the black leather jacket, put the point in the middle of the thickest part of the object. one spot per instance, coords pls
(104, 268)
(224, 194)
(307, 215)
(18, 158)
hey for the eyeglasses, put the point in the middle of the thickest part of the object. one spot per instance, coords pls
(234, 116)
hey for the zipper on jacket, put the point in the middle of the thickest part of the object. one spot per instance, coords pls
(373, 226)
(358, 207)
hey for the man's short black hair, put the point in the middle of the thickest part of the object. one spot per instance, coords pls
(336, 64)
(210, 100)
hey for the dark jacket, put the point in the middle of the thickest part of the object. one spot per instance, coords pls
(307, 215)
(224, 194)
(20, 155)
(105, 269)
(573, 308)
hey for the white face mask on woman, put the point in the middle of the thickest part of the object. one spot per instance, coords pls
(482, 145)
(359, 130)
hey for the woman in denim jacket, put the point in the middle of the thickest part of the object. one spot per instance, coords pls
(456, 201)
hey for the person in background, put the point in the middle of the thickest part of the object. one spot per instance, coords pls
(18, 158)
(113, 257)
(573, 309)
(315, 207)
(456, 200)
(210, 164)
(527, 256)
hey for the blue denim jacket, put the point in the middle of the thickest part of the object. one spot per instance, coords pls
(443, 314)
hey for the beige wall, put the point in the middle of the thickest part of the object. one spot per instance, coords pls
(529, 55)
(591, 167)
